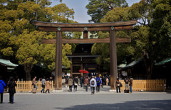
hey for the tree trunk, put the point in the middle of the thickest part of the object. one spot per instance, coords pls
(149, 67)
(28, 68)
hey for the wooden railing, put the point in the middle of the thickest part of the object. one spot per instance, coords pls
(146, 85)
(26, 86)
(138, 85)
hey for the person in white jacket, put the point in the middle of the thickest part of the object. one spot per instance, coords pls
(93, 85)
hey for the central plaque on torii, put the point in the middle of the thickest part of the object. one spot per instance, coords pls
(85, 28)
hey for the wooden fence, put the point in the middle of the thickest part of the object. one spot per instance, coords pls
(146, 85)
(138, 85)
(26, 86)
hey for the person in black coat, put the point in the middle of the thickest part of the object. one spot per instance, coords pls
(11, 89)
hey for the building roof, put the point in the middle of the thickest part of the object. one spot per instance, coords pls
(163, 61)
(7, 63)
(133, 63)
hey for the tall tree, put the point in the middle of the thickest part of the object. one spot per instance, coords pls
(153, 32)
(98, 8)
(19, 37)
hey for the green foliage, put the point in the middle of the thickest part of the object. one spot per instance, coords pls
(19, 38)
(98, 8)
(152, 37)
(117, 14)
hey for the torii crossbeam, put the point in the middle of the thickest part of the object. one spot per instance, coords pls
(85, 27)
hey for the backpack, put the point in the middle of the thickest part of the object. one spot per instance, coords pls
(92, 82)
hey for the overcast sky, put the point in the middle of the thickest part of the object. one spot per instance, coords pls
(80, 10)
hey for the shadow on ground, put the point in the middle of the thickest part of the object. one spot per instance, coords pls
(130, 105)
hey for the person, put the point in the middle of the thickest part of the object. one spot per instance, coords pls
(75, 82)
(70, 83)
(93, 84)
(118, 86)
(107, 81)
(99, 83)
(130, 85)
(2, 85)
(86, 83)
(43, 85)
(34, 85)
(81, 81)
(11, 89)
(47, 86)
(126, 80)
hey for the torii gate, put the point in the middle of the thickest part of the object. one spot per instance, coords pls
(85, 27)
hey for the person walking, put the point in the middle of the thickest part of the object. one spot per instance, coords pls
(118, 86)
(126, 85)
(107, 81)
(93, 84)
(86, 83)
(130, 84)
(48, 84)
(99, 83)
(11, 89)
(2, 85)
(34, 85)
(70, 83)
(43, 85)
(75, 82)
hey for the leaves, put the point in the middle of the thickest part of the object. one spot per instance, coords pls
(98, 8)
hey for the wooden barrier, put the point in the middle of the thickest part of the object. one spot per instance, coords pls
(26, 86)
(146, 85)
(138, 85)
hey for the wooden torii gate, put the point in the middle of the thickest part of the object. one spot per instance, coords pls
(85, 28)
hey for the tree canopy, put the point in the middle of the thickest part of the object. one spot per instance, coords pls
(21, 40)
(98, 8)
(151, 39)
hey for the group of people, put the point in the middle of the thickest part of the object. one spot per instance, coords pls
(46, 84)
(11, 89)
(94, 82)
(128, 85)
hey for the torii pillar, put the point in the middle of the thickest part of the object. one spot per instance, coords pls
(79, 27)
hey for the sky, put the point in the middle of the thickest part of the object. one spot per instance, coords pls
(80, 10)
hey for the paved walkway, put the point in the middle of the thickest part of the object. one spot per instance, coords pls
(81, 100)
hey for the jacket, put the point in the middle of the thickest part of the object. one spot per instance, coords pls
(11, 86)
(99, 81)
(2, 85)
(95, 83)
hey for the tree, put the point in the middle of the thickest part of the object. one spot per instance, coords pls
(98, 8)
(19, 37)
(153, 32)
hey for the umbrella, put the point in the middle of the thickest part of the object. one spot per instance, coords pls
(83, 71)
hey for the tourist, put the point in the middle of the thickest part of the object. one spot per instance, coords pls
(70, 83)
(34, 85)
(99, 83)
(75, 82)
(2, 85)
(93, 84)
(86, 83)
(48, 86)
(126, 80)
(107, 81)
(118, 86)
(43, 85)
(11, 89)
(130, 85)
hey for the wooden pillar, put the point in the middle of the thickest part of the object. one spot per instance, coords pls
(58, 64)
(71, 68)
(113, 59)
